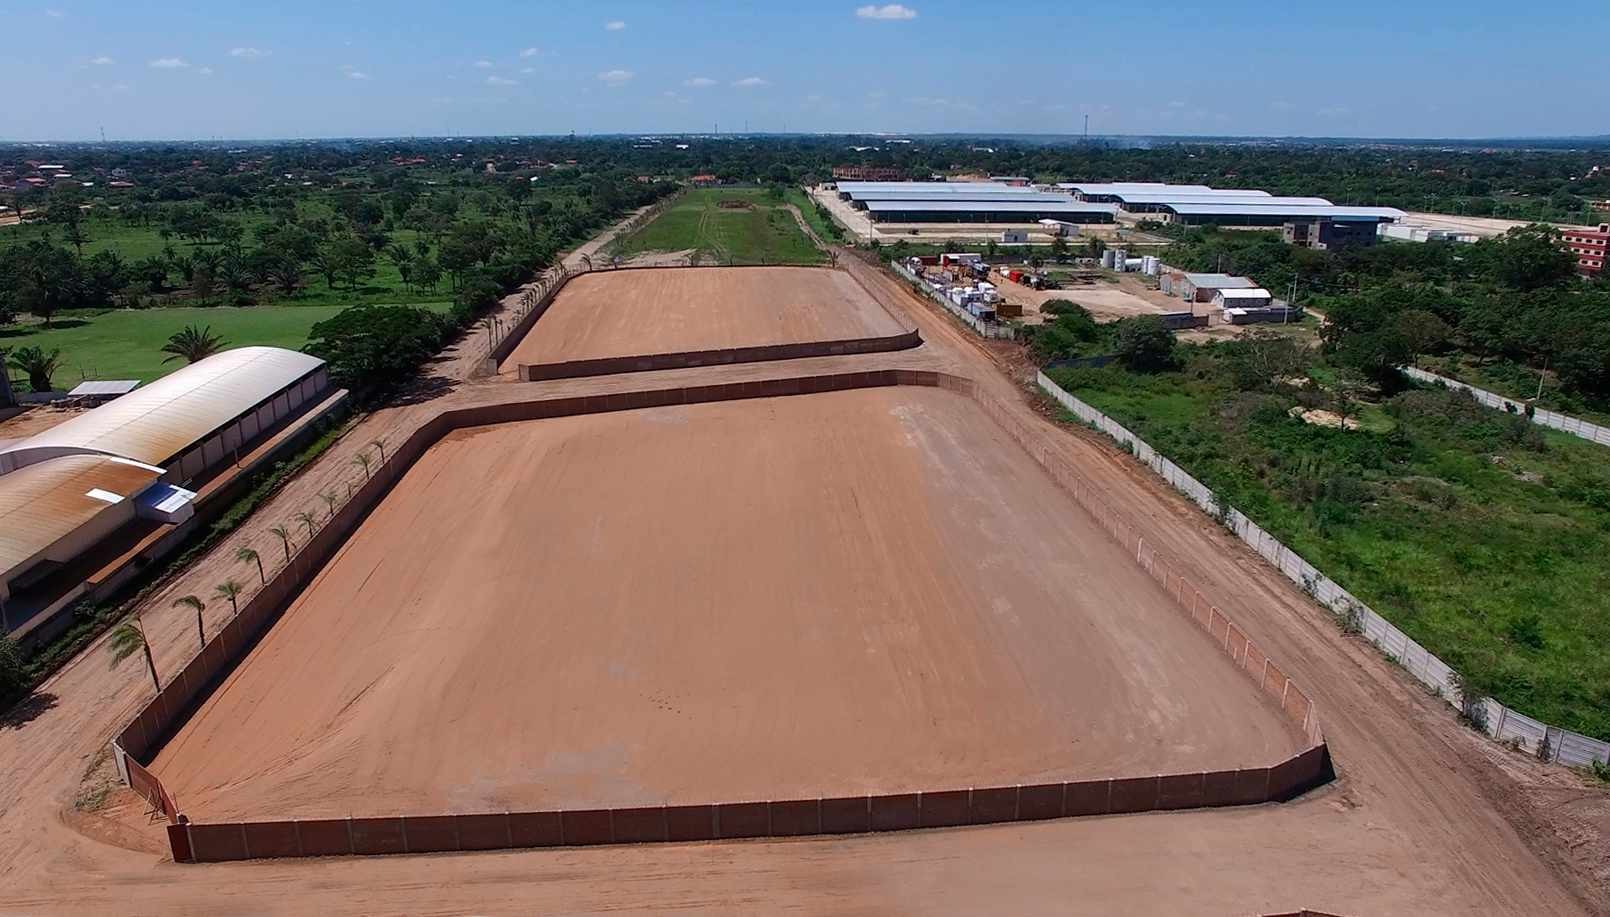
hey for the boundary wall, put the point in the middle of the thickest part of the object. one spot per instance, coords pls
(776, 818)
(1565, 423)
(604, 366)
(1500, 722)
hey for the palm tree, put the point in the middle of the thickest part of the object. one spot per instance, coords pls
(381, 445)
(248, 556)
(330, 498)
(193, 344)
(39, 364)
(190, 601)
(309, 520)
(229, 589)
(362, 460)
(127, 639)
(284, 535)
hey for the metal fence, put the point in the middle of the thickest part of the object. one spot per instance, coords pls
(1500, 722)
(1565, 423)
(984, 329)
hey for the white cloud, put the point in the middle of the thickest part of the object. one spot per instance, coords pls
(102, 61)
(205, 71)
(55, 14)
(248, 53)
(1176, 104)
(353, 73)
(676, 97)
(528, 70)
(529, 52)
(482, 64)
(889, 12)
(751, 82)
(501, 81)
(814, 98)
(170, 63)
(614, 25)
(698, 82)
(616, 77)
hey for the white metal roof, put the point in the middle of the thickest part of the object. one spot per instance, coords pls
(1064, 205)
(991, 194)
(1119, 187)
(46, 501)
(1248, 293)
(1219, 281)
(1216, 197)
(855, 188)
(105, 387)
(160, 421)
(1333, 212)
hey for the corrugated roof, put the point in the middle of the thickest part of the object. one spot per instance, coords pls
(1234, 208)
(1064, 205)
(1246, 293)
(1010, 194)
(46, 501)
(1119, 187)
(1220, 281)
(161, 420)
(864, 188)
(1227, 198)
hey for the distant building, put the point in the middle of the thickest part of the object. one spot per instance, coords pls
(1242, 298)
(868, 173)
(1329, 234)
(1589, 247)
(704, 181)
(1014, 181)
(1204, 287)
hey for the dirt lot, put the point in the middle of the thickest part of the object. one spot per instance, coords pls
(627, 313)
(1107, 301)
(1427, 817)
(750, 600)
(1483, 226)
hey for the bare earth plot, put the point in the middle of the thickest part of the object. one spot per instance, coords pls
(866, 591)
(634, 312)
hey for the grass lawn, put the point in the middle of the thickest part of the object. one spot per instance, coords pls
(761, 232)
(126, 343)
(822, 224)
(1480, 535)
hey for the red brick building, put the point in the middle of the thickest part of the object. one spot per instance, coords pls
(868, 173)
(1589, 247)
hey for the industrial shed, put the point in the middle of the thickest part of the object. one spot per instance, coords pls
(95, 490)
(935, 190)
(966, 211)
(1246, 213)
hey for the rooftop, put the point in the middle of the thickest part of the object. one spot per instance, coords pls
(1062, 205)
(46, 501)
(1333, 212)
(159, 421)
(1220, 281)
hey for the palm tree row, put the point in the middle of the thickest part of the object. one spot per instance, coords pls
(129, 637)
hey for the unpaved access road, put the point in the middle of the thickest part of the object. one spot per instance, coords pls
(634, 312)
(1425, 818)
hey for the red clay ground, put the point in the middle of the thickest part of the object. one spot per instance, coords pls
(636, 312)
(865, 591)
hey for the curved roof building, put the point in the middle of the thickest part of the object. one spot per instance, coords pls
(46, 502)
(158, 422)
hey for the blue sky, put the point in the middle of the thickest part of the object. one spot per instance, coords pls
(183, 69)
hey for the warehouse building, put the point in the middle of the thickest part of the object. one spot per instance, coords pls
(1193, 287)
(1244, 213)
(1065, 210)
(81, 501)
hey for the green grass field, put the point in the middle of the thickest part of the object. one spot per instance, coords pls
(1481, 536)
(763, 232)
(126, 343)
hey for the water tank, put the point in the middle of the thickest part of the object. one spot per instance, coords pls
(1107, 258)
(1134, 264)
(1119, 258)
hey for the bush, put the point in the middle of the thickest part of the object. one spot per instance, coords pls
(370, 347)
(1145, 345)
(12, 677)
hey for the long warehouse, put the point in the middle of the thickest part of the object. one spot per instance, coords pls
(970, 211)
(87, 502)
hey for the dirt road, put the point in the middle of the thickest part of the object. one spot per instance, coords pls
(1426, 818)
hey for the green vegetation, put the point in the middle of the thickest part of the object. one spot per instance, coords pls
(127, 343)
(816, 216)
(754, 228)
(1479, 534)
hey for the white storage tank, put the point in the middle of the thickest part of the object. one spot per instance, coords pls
(1134, 264)
(1107, 258)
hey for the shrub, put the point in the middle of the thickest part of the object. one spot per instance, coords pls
(12, 676)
